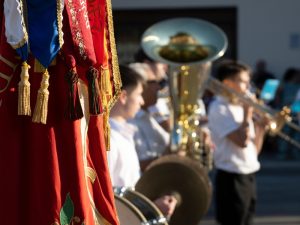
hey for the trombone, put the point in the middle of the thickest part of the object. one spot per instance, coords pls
(277, 118)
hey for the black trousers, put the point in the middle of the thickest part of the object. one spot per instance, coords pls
(235, 196)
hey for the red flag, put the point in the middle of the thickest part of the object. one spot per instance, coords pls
(57, 173)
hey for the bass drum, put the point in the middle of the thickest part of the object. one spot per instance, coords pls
(132, 202)
(128, 214)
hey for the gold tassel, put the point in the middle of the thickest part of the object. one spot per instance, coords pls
(106, 130)
(105, 82)
(106, 94)
(24, 91)
(41, 106)
(106, 125)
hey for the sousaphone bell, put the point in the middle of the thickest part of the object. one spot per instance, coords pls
(188, 46)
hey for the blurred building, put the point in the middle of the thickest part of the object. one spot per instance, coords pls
(256, 29)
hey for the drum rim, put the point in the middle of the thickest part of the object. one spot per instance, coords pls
(151, 204)
(148, 201)
(132, 207)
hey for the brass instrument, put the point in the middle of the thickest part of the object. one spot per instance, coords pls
(188, 46)
(277, 119)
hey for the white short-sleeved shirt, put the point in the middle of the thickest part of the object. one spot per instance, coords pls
(160, 111)
(122, 158)
(151, 140)
(224, 118)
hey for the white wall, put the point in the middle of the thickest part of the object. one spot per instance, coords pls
(264, 32)
(264, 27)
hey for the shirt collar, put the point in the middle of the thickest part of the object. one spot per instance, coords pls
(140, 113)
(122, 127)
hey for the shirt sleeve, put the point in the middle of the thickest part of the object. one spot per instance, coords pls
(112, 159)
(220, 120)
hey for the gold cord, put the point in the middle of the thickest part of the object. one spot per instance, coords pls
(24, 91)
(41, 106)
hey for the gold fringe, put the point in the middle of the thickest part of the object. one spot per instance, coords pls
(105, 82)
(41, 106)
(115, 64)
(24, 91)
(104, 100)
(60, 6)
(106, 130)
(106, 94)
(117, 83)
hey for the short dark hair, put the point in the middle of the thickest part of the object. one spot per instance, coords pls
(229, 69)
(130, 78)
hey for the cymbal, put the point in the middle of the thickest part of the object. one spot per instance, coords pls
(183, 176)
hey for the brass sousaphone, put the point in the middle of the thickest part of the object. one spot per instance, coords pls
(188, 46)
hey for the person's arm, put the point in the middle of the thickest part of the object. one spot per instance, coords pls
(260, 125)
(241, 136)
(259, 137)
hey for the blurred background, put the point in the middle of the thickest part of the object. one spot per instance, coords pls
(265, 31)
(256, 29)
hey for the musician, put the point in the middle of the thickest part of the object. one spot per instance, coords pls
(151, 140)
(122, 158)
(154, 70)
(238, 140)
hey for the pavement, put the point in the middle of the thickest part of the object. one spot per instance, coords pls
(278, 193)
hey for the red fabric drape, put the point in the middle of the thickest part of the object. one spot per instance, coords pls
(43, 168)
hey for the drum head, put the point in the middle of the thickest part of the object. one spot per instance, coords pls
(146, 206)
(128, 214)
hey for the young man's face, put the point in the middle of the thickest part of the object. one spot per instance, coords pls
(134, 101)
(239, 83)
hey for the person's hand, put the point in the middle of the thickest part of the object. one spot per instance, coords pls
(263, 121)
(166, 205)
(181, 152)
(207, 140)
(248, 112)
